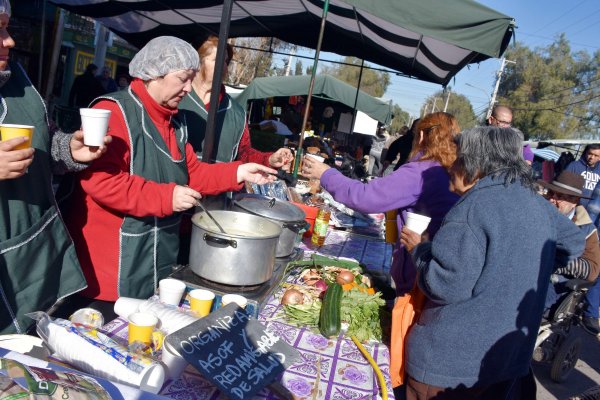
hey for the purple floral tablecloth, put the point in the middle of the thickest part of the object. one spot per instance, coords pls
(327, 368)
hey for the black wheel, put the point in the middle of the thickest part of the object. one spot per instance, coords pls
(565, 359)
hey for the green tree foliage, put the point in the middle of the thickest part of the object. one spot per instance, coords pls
(248, 63)
(458, 105)
(400, 119)
(553, 91)
(298, 69)
(372, 82)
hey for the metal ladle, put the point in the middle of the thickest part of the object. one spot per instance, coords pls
(211, 217)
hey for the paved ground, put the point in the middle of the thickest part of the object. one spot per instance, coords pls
(585, 374)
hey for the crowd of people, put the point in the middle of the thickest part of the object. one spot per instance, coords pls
(484, 264)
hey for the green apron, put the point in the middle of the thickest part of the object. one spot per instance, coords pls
(38, 263)
(148, 246)
(229, 126)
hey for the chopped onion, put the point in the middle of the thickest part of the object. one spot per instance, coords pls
(292, 296)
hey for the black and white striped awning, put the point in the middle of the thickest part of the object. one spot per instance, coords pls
(429, 40)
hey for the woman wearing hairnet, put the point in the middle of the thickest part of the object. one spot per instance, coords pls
(38, 265)
(124, 212)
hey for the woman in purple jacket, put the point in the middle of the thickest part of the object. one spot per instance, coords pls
(420, 186)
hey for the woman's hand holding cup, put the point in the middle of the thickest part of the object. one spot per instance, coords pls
(13, 162)
(313, 168)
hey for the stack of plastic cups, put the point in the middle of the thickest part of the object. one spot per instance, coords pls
(171, 318)
(77, 351)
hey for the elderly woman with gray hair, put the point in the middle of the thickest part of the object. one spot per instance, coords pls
(485, 276)
(124, 213)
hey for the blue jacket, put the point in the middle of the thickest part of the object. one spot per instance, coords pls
(591, 176)
(485, 276)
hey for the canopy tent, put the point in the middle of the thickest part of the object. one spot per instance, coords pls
(326, 87)
(546, 154)
(430, 40)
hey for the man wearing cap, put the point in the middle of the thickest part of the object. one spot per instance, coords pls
(588, 166)
(38, 264)
(565, 193)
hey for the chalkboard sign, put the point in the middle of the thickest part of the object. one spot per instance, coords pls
(233, 351)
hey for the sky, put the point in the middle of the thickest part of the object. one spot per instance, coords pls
(538, 22)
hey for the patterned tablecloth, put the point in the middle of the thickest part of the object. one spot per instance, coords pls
(327, 368)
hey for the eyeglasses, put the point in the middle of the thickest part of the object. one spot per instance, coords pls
(502, 124)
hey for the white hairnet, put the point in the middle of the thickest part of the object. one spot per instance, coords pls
(5, 7)
(161, 56)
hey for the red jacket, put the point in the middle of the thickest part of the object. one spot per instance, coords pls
(106, 192)
(246, 153)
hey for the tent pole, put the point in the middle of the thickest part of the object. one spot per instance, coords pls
(362, 64)
(42, 46)
(311, 87)
(58, 35)
(209, 136)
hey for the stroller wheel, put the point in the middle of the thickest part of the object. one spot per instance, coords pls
(565, 359)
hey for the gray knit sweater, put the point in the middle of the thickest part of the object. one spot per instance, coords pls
(62, 160)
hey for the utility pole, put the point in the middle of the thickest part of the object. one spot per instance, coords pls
(447, 99)
(498, 77)
(290, 60)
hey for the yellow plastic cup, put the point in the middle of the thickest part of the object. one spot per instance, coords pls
(201, 301)
(11, 131)
(141, 326)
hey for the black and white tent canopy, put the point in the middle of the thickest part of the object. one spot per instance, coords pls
(430, 40)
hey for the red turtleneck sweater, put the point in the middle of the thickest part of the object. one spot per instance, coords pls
(106, 192)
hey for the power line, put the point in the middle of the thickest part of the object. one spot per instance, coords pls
(563, 89)
(559, 106)
(561, 16)
(554, 39)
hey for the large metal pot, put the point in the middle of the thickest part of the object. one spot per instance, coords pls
(285, 214)
(243, 255)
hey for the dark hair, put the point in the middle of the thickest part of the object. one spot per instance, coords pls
(591, 146)
(495, 152)
(91, 68)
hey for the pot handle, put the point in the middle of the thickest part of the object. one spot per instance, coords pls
(297, 224)
(221, 241)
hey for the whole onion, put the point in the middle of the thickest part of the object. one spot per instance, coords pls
(344, 277)
(321, 285)
(292, 296)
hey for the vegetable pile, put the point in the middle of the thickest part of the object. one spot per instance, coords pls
(331, 297)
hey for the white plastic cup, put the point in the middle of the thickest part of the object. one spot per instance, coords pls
(94, 123)
(173, 361)
(125, 306)
(316, 157)
(234, 298)
(170, 291)
(416, 222)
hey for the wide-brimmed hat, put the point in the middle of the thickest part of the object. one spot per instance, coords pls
(567, 183)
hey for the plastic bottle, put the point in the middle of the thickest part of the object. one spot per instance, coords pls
(321, 225)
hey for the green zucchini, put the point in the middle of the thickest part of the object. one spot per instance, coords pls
(330, 319)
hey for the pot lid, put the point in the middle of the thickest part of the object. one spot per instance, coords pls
(270, 207)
